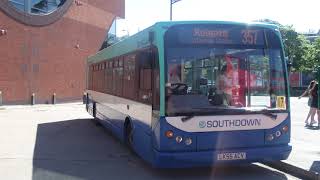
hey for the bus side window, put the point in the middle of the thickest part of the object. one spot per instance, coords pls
(94, 77)
(101, 77)
(145, 76)
(119, 77)
(114, 76)
(110, 77)
(155, 81)
(129, 77)
(90, 83)
(105, 88)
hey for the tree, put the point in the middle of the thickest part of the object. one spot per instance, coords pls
(269, 21)
(316, 44)
(292, 45)
(296, 47)
(307, 55)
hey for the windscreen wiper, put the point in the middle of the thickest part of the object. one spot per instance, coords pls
(269, 114)
(189, 117)
(186, 118)
(235, 111)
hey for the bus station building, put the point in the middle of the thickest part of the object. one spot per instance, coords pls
(44, 45)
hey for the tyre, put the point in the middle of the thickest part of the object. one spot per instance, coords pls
(129, 136)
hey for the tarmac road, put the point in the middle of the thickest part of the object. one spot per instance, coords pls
(60, 142)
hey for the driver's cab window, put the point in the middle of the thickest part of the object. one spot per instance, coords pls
(199, 75)
(215, 77)
(192, 76)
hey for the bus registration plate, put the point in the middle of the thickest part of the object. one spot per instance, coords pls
(232, 156)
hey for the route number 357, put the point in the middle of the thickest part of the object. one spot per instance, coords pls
(249, 37)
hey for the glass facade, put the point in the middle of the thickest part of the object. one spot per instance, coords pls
(38, 7)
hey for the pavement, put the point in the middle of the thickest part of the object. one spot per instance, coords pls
(304, 160)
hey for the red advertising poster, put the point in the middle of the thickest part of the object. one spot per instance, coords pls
(294, 79)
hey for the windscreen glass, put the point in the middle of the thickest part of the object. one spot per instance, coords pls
(218, 68)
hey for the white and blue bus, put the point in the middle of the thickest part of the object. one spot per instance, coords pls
(198, 93)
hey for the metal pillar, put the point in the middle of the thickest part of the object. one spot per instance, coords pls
(318, 80)
(0, 98)
(170, 10)
(27, 6)
(84, 98)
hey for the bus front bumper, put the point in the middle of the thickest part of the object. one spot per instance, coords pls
(210, 158)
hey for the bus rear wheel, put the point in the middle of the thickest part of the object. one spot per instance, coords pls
(129, 136)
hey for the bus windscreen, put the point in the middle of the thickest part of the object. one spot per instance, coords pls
(212, 67)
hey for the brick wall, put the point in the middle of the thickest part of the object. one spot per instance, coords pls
(51, 59)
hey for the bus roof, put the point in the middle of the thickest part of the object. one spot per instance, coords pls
(140, 40)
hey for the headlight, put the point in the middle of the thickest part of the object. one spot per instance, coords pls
(270, 137)
(179, 139)
(278, 133)
(188, 141)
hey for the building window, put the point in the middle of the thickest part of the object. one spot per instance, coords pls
(37, 7)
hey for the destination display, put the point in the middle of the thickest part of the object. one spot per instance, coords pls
(220, 35)
(202, 35)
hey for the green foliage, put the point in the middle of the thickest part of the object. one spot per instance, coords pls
(307, 55)
(292, 45)
(304, 55)
(317, 50)
(268, 21)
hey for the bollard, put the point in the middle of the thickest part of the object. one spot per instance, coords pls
(87, 98)
(84, 98)
(87, 102)
(0, 98)
(33, 99)
(54, 99)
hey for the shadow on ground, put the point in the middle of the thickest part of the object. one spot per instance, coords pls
(78, 149)
(315, 166)
(313, 127)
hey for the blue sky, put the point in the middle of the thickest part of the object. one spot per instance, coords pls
(303, 15)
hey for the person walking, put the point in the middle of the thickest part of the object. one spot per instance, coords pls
(314, 103)
(312, 110)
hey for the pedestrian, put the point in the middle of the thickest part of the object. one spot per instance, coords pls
(315, 104)
(312, 110)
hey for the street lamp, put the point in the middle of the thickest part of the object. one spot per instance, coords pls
(172, 2)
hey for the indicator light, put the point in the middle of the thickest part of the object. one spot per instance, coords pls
(285, 129)
(169, 134)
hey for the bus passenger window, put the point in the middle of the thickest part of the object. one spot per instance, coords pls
(145, 72)
(129, 77)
